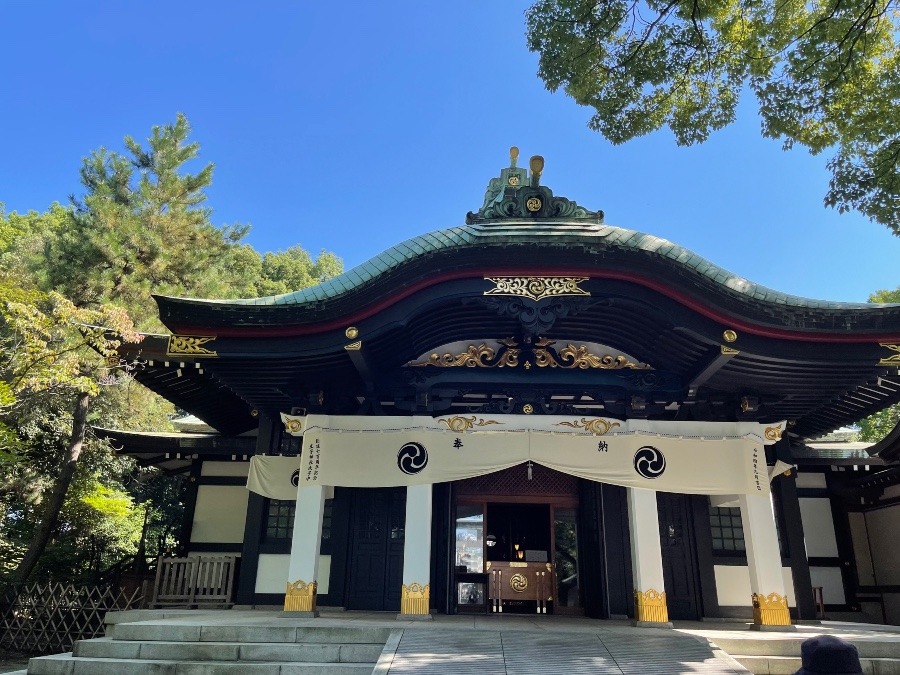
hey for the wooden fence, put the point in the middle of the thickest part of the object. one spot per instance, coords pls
(49, 618)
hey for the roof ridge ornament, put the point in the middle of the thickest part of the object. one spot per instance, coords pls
(516, 196)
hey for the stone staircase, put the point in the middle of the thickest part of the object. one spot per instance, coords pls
(186, 648)
(780, 654)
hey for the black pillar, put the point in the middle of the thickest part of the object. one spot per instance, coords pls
(253, 526)
(791, 521)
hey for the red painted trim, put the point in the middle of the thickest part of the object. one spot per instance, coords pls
(726, 320)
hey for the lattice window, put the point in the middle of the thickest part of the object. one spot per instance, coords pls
(727, 529)
(290, 445)
(280, 519)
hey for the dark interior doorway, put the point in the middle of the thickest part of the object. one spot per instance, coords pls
(518, 527)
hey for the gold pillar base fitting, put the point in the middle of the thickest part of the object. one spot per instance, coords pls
(415, 599)
(300, 597)
(650, 607)
(770, 610)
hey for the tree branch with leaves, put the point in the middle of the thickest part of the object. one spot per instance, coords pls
(826, 76)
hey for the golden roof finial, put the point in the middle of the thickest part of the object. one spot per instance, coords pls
(513, 156)
(537, 167)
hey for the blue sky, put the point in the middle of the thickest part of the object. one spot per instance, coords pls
(352, 126)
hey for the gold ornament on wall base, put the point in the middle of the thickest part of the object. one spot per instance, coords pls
(300, 597)
(650, 606)
(770, 610)
(414, 599)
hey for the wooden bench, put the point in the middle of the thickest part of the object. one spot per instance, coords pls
(195, 581)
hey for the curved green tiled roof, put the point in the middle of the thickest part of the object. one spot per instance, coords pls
(531, 232)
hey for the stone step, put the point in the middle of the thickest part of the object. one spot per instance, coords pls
(107, 648)
(789, 646)
(148, 631)
(66, 664)
(787, 665)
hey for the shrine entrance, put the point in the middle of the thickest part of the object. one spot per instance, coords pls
(517, 543)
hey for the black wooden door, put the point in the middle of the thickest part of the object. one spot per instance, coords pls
(376, 552)
(679, 556)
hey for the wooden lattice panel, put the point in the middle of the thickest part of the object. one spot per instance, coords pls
(45, 619)
(514, 481)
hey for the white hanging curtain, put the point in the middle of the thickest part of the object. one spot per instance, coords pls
(355, 451)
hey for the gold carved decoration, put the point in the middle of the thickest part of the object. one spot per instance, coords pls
(597, 426)
(474, 357)
(354, 346)
(352, 332)
(729, 335)
(414, 599)
(527, 408)
(770, 610)
(534, 204)
(513, 180)
(570, 357)
(518, 582)
(894, 359)
(729, 351)
(300, 597)
(579, 357)
(650, 606)
(536, 288)
(773, 433)
(189, 345)
(460, 423)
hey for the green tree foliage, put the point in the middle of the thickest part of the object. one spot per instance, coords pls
(877, 426)
(51, 353)
(68, 504)
(141, 227)
(826, 76)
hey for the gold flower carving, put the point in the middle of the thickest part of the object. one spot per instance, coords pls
(597, 426)
(460, 423)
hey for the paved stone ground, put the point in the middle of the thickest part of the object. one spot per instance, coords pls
(510, 651)
(12, 662)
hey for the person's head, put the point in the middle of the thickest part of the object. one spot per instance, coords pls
(828, 654)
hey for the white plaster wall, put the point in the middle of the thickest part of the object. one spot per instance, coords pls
(733, 585)
(220, 514)
(818, 527)
(811, 480)
(272, 573)
(206, 554)
(829, 578)
(225, 469)
(860, 535)
(883, 526)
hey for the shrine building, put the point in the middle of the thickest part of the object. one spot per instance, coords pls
(536, 412)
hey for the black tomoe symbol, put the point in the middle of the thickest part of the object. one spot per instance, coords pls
(649, 462)
(412, 458)
(295, 478)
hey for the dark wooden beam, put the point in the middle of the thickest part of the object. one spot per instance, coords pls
(718, 358)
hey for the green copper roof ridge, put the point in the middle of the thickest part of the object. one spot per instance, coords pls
(526, 232)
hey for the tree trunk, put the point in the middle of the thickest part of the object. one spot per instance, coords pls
(58, 496)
